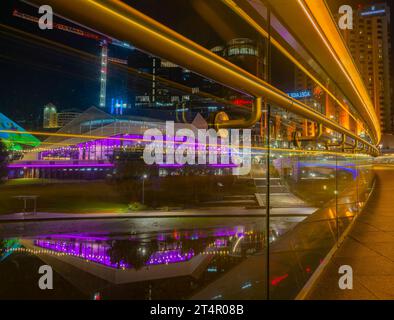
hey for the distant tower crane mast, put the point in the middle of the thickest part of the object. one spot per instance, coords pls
(104, 42)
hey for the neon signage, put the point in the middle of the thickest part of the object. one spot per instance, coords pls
(300, 94)
(372, 12)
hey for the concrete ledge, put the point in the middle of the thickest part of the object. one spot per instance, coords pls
(206, 212)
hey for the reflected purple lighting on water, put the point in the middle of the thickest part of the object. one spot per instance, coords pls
(98, 253)
(169, 256)
(219, 243)
(95, 252)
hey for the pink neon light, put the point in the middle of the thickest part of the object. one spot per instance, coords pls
(93, 165)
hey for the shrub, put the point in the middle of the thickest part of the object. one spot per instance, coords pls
(137, 206)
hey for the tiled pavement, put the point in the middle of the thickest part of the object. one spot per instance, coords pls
(368, 249)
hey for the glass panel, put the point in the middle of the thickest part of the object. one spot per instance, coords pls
(117, 176)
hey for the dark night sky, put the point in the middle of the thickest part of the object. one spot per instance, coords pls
(32, 76)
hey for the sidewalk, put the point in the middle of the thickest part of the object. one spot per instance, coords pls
(205, 212)
(368, 249)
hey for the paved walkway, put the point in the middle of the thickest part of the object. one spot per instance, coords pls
(206, 212)
(368, 249)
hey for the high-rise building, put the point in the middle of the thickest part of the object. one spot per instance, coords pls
(369, 43)
(248, 54)
(50, 116)
(155, 92)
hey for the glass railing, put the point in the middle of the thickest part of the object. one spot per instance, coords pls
(121, 209)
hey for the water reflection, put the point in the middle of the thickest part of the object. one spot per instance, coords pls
(140, 266)
(165, 249)
(181, 258)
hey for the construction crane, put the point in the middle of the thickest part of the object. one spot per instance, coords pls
(104, 43)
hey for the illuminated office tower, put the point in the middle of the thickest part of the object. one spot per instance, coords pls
(369, 43)
(248, 54)
(50, 117)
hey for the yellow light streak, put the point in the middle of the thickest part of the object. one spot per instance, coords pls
(232, 5)
(123, 21)
(95, 137)
(234, 70)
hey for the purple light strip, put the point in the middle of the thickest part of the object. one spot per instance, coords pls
(104, 165)
(93, 165)
(71, 237)
(114, 140)
(230, 165)
(164, 165)
(223, 165)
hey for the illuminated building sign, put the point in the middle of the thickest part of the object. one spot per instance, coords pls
(370, 13)
(117, 106)
(242, 102)
(300, 94)
(373, 11)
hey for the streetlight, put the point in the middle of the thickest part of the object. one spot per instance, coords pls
(143, 188)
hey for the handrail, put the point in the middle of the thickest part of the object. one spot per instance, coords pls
(124, 22)
(313, 25)
(360, 149)
(315, 137)
(340, 143)
(254, 117)
(352, 146)
(318, 134)
(247, 17)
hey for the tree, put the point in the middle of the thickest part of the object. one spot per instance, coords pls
(3, 161)
(128, 177)
(132, 253)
